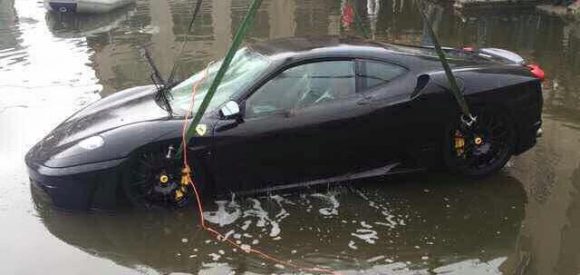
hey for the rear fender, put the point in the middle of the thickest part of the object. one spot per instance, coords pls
(476, 80)
(510, 89)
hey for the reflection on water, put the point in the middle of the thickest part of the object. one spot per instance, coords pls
(525, 219)
(420, 224)
(71, 25)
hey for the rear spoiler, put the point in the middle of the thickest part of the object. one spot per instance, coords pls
(506, 55)
(510, 58)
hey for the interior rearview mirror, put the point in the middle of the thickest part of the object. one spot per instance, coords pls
(230, 110)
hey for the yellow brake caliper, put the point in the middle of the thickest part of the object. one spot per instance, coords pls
(179, 193)
(459, 143)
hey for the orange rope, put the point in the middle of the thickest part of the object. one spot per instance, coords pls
(220, 237)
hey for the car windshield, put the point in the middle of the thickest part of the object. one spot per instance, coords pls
(246, 67)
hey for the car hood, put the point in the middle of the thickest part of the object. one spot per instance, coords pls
(121, 109)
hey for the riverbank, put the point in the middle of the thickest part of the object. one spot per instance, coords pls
(496, 4)
(572, 11)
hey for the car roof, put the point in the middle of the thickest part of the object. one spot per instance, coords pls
(284, 50)
(320, 46)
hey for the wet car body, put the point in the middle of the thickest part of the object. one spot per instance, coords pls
(396, 127)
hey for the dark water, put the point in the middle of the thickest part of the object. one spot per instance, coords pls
(525, 220)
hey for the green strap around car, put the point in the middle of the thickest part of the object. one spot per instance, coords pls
(238, 38)
(468, 119)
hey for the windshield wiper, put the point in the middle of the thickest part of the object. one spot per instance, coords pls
(162, 86)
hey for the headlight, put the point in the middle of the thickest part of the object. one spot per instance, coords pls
(92, 143)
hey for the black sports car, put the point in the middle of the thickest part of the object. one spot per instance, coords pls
(294, 112)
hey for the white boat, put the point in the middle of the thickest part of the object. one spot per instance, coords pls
(85, 6)
(74, 25)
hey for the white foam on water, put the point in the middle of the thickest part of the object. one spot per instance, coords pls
(472, 266)
(149, 29)
(283, 213)
(392, 221)
(215, 256)
(368, 235)
(366, 225)
(246, 248)
(263, 218)
(391, 268)
(332, 210)
(352, 245)
(228, 234)
(375, 259)
(222, 216)
(246, 225)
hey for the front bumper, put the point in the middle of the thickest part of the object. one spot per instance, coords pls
(81, 187)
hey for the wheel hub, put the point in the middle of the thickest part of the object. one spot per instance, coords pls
(158, 181)
(478, 143)
(163, 179)
(165, 186)
(478, 140)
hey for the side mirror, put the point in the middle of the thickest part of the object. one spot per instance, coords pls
(231, 110)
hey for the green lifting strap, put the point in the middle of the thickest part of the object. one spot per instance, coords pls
(361, 27)
(238, 38)
(467, 118)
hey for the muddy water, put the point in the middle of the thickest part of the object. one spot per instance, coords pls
(525, 220)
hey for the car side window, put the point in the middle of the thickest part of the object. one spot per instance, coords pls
(373, 74)
(303, 86)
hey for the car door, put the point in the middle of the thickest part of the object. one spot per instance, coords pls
(404, 126)
(303, 124)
